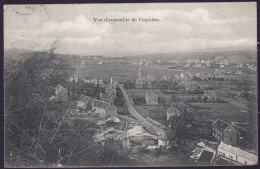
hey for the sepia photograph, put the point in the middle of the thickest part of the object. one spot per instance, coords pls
(130, 85)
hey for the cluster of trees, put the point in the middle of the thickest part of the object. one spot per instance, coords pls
(81, 87)
(166, 85)
(128, 84)
(39, 132)
(119, 100)
(185, 127)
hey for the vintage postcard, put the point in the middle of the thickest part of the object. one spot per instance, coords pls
(166, 84)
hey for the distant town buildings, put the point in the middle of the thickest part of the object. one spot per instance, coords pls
(166, 78)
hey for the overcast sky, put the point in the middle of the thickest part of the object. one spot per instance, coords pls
(181, 27)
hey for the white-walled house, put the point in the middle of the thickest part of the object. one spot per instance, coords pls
(61, 93)
(236, 154)
(163, 140)
(84, 102)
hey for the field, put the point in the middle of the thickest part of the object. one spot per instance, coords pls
(156, 112)
(214, 111)
(121, 72)
(206, 111)
(202, 111)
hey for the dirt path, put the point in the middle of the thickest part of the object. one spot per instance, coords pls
(137, 115)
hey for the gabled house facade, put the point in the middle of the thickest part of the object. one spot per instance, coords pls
(61, 93)
(84, 102)
(107, 97)
(151, 98)
(230, 134)
(172, 112)
(104, 109)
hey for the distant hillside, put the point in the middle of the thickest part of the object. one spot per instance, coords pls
(244, 54)
(234, 55)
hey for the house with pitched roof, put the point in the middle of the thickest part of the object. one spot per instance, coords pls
(165, 78)
(84, 102)
(61, 93)
(94, 80)
(103, 109)
(163, 140)
(172, 112)
(150, 77)
(140, 82)
(210, 95)
(218, 128)
(151, 98)
(107, 97)
(230, 134)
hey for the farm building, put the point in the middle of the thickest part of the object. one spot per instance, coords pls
(207, 63)
(203, 86)
(198, 65)
(210, 95)
(191, 87)
(165, 78)
(150, 77)
(104, 109)
(140, 82)
(84, 102)
(151, 98)
(163, 140)
(61, 93)
(172, 112)
(73, 79)
(94, 80)
(107, 97)
(100, 81)
(148, 84)
(236, 154)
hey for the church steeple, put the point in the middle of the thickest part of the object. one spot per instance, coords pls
(139, 74)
